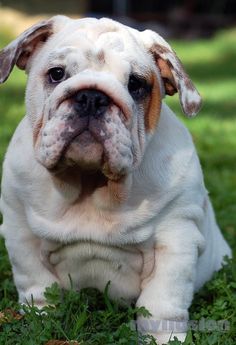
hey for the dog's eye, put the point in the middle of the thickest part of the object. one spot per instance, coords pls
(138, 87)
(56, 74)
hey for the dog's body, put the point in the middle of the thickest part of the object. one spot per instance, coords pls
(126, 204)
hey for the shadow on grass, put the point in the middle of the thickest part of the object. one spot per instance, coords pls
(220, 69)
(218, 109)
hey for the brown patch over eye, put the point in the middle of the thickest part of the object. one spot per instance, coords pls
(153, 107)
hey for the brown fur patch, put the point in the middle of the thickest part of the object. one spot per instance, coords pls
(101, 56)
(167, 76)
(117, 191)
(114, 193)
(190, 107)
(154, 107)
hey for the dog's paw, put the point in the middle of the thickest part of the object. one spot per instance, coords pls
(37, 305)
(32, 297)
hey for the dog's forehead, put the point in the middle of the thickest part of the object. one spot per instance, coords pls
(94, 37)
(94, 30)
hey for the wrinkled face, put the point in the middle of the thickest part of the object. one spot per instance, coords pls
(93, 98)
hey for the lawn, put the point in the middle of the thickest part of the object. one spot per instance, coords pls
(90, 317)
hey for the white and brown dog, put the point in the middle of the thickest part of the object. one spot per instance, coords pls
(101, 182)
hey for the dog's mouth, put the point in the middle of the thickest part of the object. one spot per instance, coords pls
(86, 154)
(84, 162)
(84, 151)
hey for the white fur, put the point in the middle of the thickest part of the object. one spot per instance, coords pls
(158, 247)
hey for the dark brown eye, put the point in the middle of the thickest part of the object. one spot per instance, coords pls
(138, 87)
(56, 74)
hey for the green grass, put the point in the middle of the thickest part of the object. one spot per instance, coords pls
(90, 317)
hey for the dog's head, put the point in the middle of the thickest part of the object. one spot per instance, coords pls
(94, 91)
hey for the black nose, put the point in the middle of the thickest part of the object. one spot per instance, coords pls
(91, 103)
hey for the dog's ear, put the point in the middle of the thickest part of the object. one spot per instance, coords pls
(21, 49)
(174, 77)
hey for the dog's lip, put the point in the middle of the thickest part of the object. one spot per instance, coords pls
(54, 167)
(57, 168)
(67, 144)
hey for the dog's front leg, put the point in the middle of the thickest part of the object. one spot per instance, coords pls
(31, 276)
(167, 293)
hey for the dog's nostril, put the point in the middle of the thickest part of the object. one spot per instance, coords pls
(91, 102)
(82, 99)
(102, 100)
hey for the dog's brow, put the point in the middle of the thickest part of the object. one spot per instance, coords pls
(140, 69)
(111, 40)
(61, 53)
(93, 55)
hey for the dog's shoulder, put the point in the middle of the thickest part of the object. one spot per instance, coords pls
(171, 158)
(20, 167)
(19, 155)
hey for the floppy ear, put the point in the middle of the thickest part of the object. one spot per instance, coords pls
(174, 77)
(19, 51)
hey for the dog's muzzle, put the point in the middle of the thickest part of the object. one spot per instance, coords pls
(87, 123)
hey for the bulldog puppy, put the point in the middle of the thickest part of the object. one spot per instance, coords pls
(101, 181)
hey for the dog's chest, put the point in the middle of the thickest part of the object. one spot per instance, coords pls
(92, 264)
(59, 219)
